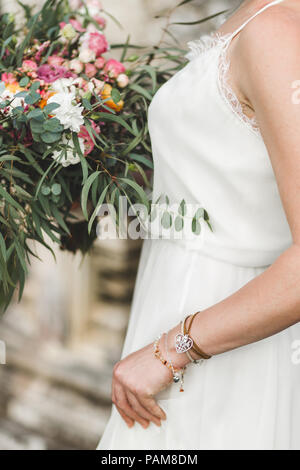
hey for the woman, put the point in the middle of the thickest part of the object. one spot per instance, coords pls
(225, 134)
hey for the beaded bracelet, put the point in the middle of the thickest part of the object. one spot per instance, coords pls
(178, 374)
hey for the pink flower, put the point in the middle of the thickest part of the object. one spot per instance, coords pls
(77, 25)
(90, 70)
(113, 68)
(50, 73)
(29, 65)
(62, 24)
(101, 21)
(97, 42)
(98, 85)
(8, 77)
(99, 62)
(88, 142)
(55, 60)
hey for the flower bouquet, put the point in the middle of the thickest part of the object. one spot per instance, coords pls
(73, 128)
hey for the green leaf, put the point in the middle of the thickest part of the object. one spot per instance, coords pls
(32, 98)
(37, 114)
(141, 159)
(53, 125)
(43, 178)
(85, 192)
(36, 126)
(138, 189)
(87, 104)
(202, 20)
(119, 120)
(51, 107)
(9, 199)
(182, 208)
(141, 90)
(152, 72)
(50, 137)
(21, 255)
(183, 3)
(179, 223)
(196, 226)
(22, 278)
(21, 192)
(166, 220)
(199, 213)
(24, 81)
(83, 161)
(116, 95)
(34, 87)
(2, 246)
(59, 218)
(8, 158)
(26, 41)
(56, 189)
(99, 203)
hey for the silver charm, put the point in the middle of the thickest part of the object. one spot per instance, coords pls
(176, 378)
(183, 343)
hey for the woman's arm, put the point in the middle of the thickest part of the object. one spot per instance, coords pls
(270, 302)
(264, 306)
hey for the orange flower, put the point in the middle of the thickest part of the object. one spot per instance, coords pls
(45, 98)
(106, 93)
(43, 103)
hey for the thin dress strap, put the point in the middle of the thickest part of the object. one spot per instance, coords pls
(237, 31)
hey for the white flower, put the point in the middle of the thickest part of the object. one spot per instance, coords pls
(69, 156)
(68, 113)
(86, 55)
(64, 85)
(8, 95)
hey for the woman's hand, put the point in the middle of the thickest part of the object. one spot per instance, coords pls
(136, 380)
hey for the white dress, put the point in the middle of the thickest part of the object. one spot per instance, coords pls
(206, 151)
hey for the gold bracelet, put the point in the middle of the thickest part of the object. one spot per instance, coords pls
(195, 348)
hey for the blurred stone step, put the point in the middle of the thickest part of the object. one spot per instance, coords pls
(13, 436)
(59, 413)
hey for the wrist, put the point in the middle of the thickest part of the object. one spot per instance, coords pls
(179, 360)
(196, 353)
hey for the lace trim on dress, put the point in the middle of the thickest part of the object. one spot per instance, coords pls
(204, 44)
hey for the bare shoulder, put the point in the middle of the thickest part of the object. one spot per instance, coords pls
(272, 37)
